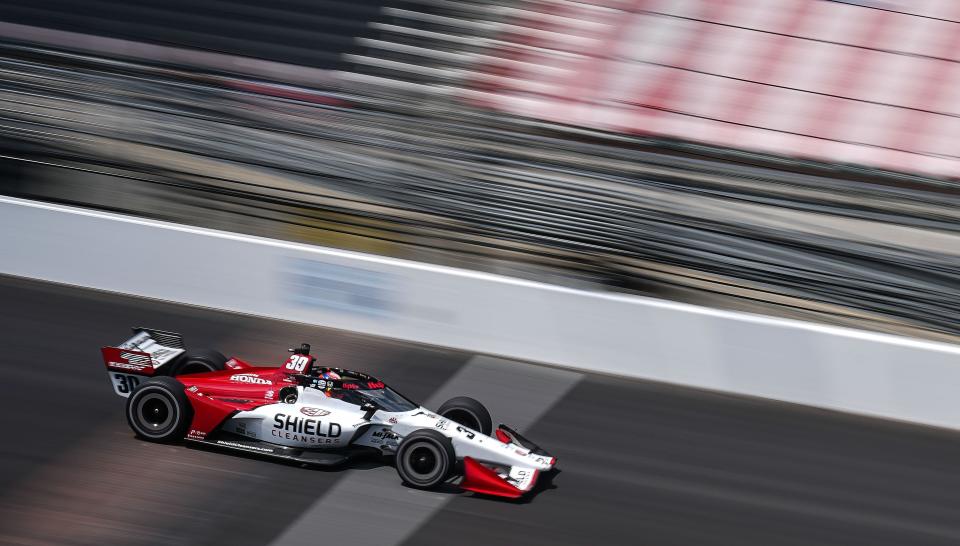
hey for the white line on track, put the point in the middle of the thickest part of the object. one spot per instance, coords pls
(374, 505)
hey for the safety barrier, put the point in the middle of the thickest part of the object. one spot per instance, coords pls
(834, 368)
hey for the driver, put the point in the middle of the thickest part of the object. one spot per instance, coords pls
(329, 373)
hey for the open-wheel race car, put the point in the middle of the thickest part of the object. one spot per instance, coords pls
(313, 415)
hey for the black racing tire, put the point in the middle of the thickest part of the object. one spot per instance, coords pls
(198, 361)
(159, 411)
(425, 459)
(467, 412)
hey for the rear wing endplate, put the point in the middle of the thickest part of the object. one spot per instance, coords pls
(141, 355)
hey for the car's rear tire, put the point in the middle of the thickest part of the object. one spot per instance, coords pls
(467, 412)
(198, 361)
(425, 459)
(158, 410)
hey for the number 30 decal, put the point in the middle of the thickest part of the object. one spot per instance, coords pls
(297, 363)
(125, 383)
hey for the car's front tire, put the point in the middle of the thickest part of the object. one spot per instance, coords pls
(158, 410)
(425, 459)
(468, 412)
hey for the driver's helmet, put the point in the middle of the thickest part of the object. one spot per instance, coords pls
(329, 374)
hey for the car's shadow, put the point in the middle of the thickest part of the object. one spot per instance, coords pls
(361, 462)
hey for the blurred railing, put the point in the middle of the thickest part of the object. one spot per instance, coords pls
(314, 33)
(464, 187)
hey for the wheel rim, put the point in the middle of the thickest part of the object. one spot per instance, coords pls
(423, 460)
(154, 414)
(423, 463)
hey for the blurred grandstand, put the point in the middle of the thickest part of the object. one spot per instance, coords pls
(789, 157)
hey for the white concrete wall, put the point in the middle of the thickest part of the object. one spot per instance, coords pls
(823, 366)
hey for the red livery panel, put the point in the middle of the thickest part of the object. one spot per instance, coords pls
(480, 479)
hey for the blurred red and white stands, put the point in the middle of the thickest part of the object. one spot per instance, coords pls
(868, 82)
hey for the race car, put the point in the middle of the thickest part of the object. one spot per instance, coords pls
(314, 415)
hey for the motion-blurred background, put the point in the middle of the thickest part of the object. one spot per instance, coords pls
(793, 158)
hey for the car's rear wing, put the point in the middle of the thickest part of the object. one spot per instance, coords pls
(141, 355)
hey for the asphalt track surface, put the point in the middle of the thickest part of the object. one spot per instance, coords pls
(642, 463)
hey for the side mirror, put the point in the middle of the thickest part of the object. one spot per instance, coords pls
(288, 395)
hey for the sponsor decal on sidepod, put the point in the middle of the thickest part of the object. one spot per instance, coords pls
(310, 431)
(250, 378)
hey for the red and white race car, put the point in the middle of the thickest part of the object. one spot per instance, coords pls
(318, 416)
